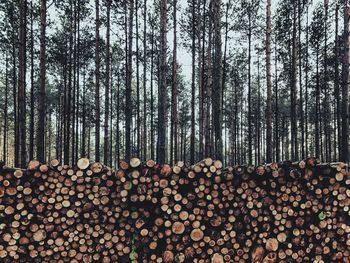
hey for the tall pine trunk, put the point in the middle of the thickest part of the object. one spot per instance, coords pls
(193, 87)
(22, 83)
(97, 84)
(162, 92)
(41, 102)
(106, 154)
(128, 91)
(268, 84)
(217, 81)
(345, 85)
(174, 119)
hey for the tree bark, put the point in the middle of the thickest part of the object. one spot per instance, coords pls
(145, 138)
(174, 115)
(97, 84)
(162, 92)
(268, 85)
(293, 91)
(32, 99)
(106, 153)
(128, 91)
(345, 85)
(337, 85)
(193, 87)
(41, 101)
(217, 81)
(22, 82)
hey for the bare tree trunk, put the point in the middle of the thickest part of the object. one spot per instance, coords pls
(293, 91)
(317, 118)
(32, 103)
(106, 154)
(4, 150)
(345, 85)
(128, 91)
(162, 93)
(41, 103)
(97, 85)
(301, 104)
(174, 118)
(152, 99)
(22, 83)
(138, 120)
(217, 80)
(250, 148)
(145, 80)
(193, 87)
(268, 84)
(207, 126)
(337, 85)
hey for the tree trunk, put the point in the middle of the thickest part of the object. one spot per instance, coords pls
(138, 120)
(41, 102)
(317, 103)
(106, 153)
(5, 152)
(145, 80)
(22, 82)
(336, 85)
(174, 118)
(32, 99)
(293, 91)
(217, 81)
(128, 91)
(193, 88)
(162, 92)
(152, 96)
(250, 148)
(345, 85)
(302, 124)
(97, 84)
(268, 84)
(207, 126)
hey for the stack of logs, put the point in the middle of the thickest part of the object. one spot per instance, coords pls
(148, 212)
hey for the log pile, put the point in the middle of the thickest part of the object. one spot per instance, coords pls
(148, 212)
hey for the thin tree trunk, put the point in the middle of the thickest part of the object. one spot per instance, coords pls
(250, 149)
(22, 82)
(6, 110)
(174, 119)
(145, 80)
(193, 88)
(106, 154)
(268, 84)
(345, 85)
(293, 91)
(128, 91)
(41, 103)
(302, 124)
(208, 145)
(162, 92)
(307, 84)
(317, 98)
(97, 85)
(336, 85)
(152, 98)
(32, 106)
(83, 117)
(14, 89)
(138, 119)
(217, 81)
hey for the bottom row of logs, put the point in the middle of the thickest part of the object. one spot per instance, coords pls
(149, 212)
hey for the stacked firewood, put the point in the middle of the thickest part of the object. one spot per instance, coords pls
(149, 212)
